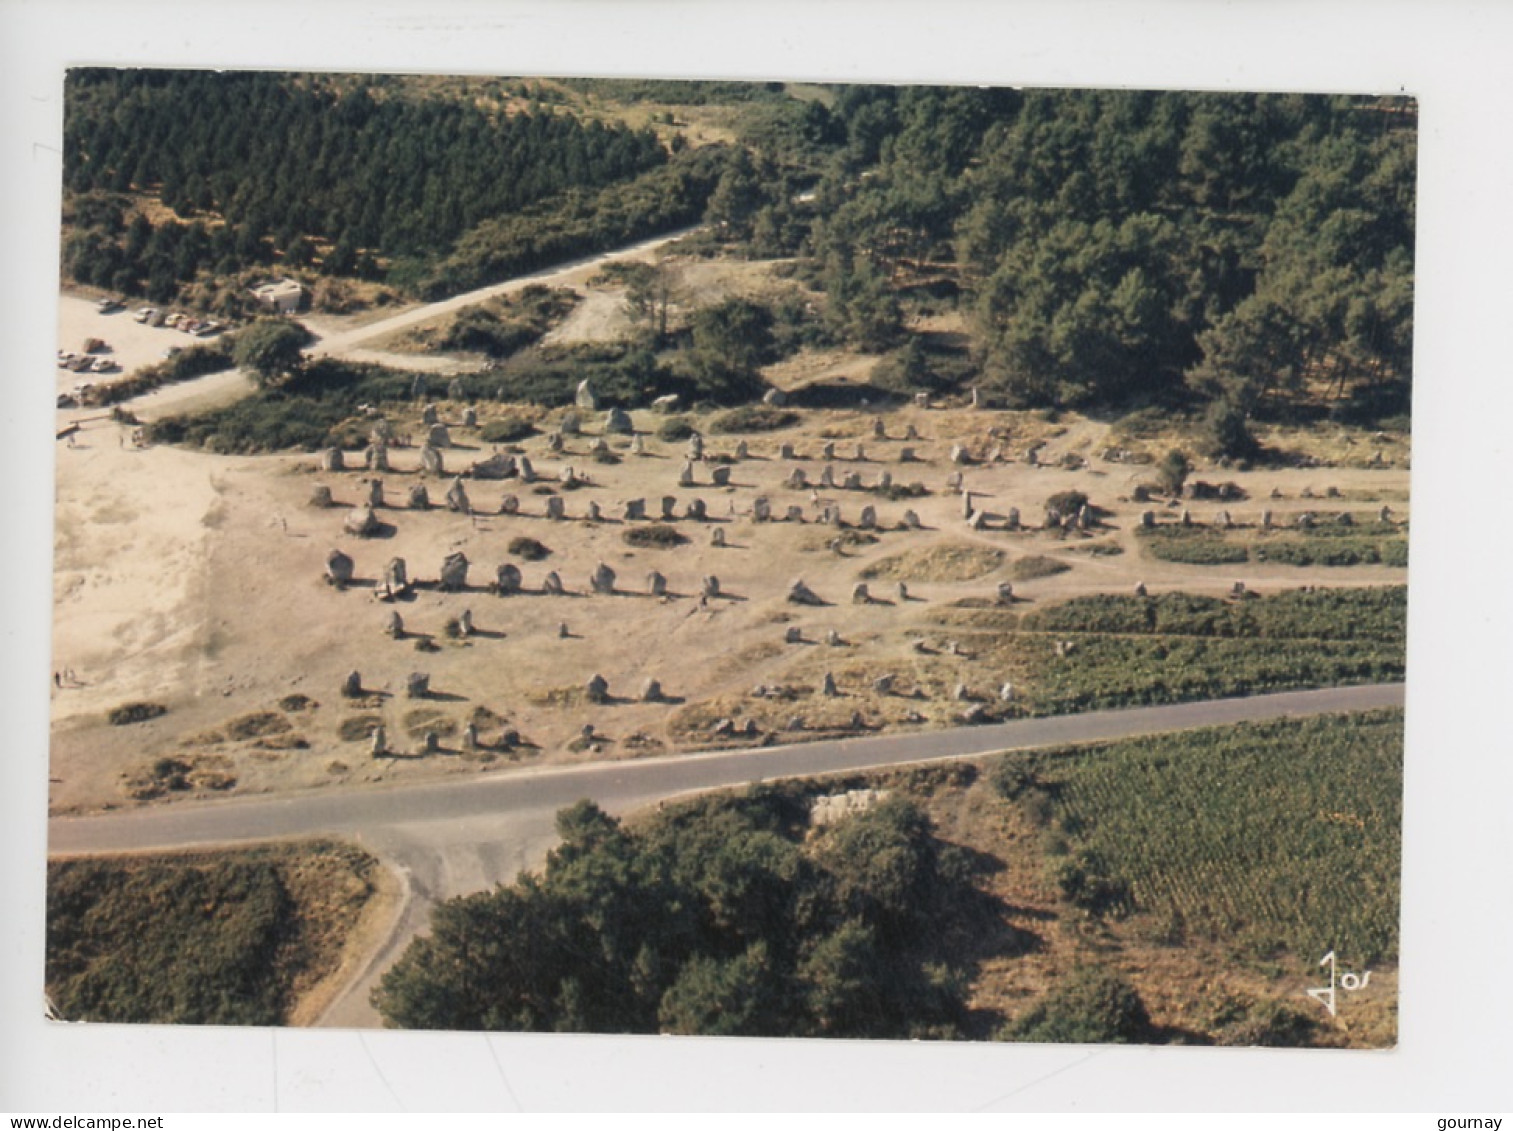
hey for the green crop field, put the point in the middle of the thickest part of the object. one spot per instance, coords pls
(1269, 839)
(1365, 543)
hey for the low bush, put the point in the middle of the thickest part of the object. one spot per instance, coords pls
(128, 713)
(654, 537)
(506, 430)
(528, 549)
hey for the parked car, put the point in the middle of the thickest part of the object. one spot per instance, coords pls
(144, 314)
(107, 305)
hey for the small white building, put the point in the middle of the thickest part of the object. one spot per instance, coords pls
(281, 296)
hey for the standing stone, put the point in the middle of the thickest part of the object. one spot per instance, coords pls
(376, 456)
(954, 481)
(600, 446)
(1006, 693)
(868, 520)
(785, 451)
(696, 510)
(1085, 517)
(861, 454)
(1013, 522)
(793, 635)
(594, 514)
(1345, 519)
(831, 516)
(884, 481)
(1140, 589)
(428, 415)
(418, 685)
(883, 684)
(465, 623)
(1005, 593)
(833, 638)
(570, 425)
(455, 391)
(852, 482)
(418, 387)
(552, 584)
(597, 689)
(362, 522)
(510, 504)
(656, 584)
(1305, 520)
(568, 478)
(911, 520)
(827, 686)
(507, 579)
(717, 536)
(555, 443)
(827, 476)
(379, 743)
(339, 569)
(1266, 520)
(457, 498)
(430, 461)
(497, 466)
(585, 397)
(742, 452)
(828, 450)
(966, 504)
(976, 397)
(1384, 516)
(396, 578)
(860, 595)
(695, 447)
(375, 493)
(527, 471)
(454, 572)
(351, 687)
(801, 594)
(321, 497)
(556, 509)
(1187, 517)
(635, 509)
(797, 480)
(685, 476)
(711, 586)
(617, 422)
(470, 736)
(1148, 519)
(669, 505)
(603, 579)
(720, 476)
(794, 513)
(651, 691)
(961, 692)
(903, 590)
(879, 429)
(906, 455)
(761, 509)
(637, 445)
(470, 417)
(774, 397)
(958, 453)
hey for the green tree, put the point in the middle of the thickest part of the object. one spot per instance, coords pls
(1091, 1006)
(269, 349)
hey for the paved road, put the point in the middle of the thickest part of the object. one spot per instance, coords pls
(451, 837)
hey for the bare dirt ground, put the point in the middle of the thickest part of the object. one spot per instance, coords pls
(195, 581)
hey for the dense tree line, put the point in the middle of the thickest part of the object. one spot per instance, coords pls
(269, 164)
(1113, 247)
(717, 918)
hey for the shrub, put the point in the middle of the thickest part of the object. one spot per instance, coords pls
(506, 430)
(529, 549)
(134, 713)
(1067, 502)
(1092, 1006)
(1036, 565)
(675, 429)
(654, 537)
(1172, 471)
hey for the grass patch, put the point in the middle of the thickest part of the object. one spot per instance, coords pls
(1325, 544)
(230, 938)
(754, 418)
(506, 430)
(950, 561)
(182, 774)
(358, 728)
(1269, 838)
(528, 549)
(1036, 566)
(297, 702)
